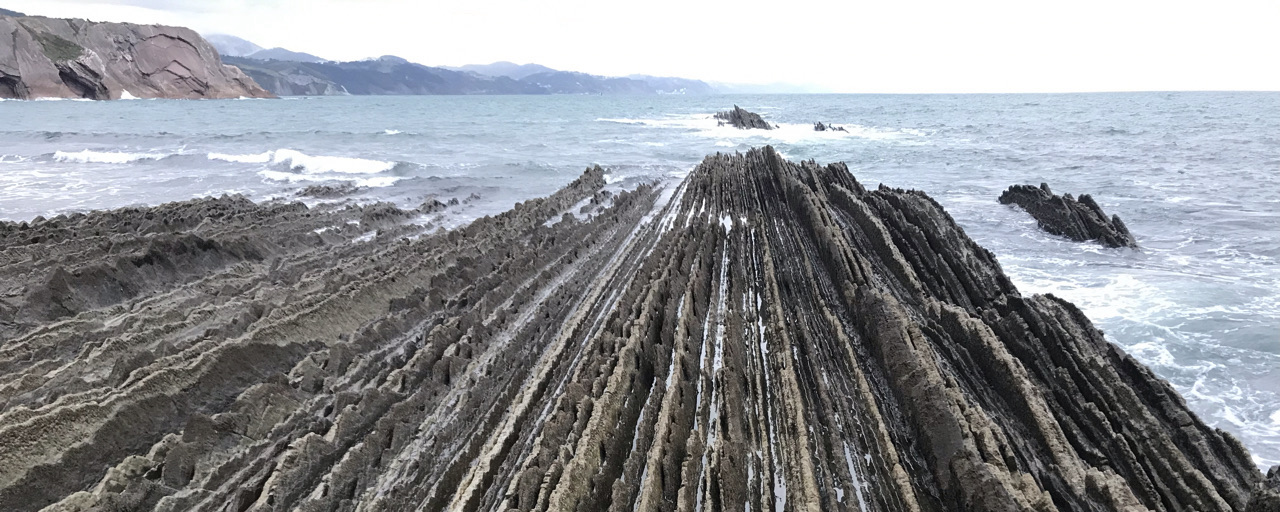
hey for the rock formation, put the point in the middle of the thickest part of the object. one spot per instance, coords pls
(764, 335)
(1081, 220)
(68, 58)
(820, 127)
(1266, 494)
(742, 119)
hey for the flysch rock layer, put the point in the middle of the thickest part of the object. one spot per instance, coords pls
(1063, 215)
(743, 119)
(763, 335)
(71, 58)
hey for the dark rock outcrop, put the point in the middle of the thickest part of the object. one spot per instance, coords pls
(819, 127)
(1266, 494)
(329, 191)
(67, 58)
(1081, 220)
(742, 119)
(765, 335)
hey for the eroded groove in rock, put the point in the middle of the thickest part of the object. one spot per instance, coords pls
(764, 335)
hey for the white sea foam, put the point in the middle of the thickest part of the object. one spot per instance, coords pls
(294, 177)
(105, 157)
(255, 158)
(309, 164)
(300, 161)
(392, 132)
(707, 126)
(126, 95)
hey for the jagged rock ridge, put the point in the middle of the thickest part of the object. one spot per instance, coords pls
(766, 335)
(67, 58)
(743, 119)
(1063, 215)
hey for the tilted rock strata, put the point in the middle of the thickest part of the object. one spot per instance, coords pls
(742, 119)
(70, 58)
(764, 336)
(1063, 215)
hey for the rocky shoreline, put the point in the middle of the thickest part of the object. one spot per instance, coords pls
(764, 335)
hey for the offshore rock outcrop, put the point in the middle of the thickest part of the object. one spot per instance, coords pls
(764, 335)
(820, 127)
(742, 119)
(1063, 215)
(70, 58)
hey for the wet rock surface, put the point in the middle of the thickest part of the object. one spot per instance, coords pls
(764, 335)
(742, 119)
(821, 127)
(72, 58)
(1081, 220)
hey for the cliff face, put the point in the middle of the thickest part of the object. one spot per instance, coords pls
(69, 58)
(765, 336)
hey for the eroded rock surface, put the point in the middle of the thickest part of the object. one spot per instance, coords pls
(71, 58)
(742, 119)
(765, 335)
(1063, 215)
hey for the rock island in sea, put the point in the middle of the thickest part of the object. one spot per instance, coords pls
(763, 335)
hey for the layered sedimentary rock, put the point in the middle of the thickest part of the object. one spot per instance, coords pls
(1063, 215)
(742, 119)
(70, 58)
(764, 335)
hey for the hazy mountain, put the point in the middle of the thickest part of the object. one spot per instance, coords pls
(232, 45)
(385, 75)
(504, 68)
(6, 12)
(673, 85)
(283, 54)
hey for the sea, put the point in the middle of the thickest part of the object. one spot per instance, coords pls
(1195, 176)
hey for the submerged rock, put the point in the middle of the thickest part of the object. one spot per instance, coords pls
(1081, 220)
(742, 119)
(72, 58)
(764, 335)
(329, 191)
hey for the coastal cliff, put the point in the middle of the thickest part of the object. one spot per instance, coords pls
(763, 335)
(70, 58)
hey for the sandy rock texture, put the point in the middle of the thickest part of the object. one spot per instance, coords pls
(71, 58)
(764, 335)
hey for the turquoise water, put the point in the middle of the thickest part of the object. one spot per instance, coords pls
(1196, 176)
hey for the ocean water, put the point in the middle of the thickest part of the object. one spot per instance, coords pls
(1196, 176)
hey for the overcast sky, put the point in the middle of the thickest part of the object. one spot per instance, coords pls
(840, 45)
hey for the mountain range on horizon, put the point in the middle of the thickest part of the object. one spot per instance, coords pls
(290, 73)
